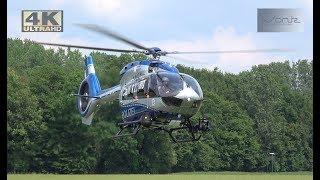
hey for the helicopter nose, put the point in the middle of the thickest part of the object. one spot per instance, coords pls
(186, 103)
(190, 102)
(188, 95)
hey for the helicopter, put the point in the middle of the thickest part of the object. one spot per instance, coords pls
(152, 94)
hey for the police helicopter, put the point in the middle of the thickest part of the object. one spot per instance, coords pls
(152, 94)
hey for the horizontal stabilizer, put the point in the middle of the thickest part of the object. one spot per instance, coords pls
(79, 95)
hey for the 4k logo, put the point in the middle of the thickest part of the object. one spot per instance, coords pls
(42, 21)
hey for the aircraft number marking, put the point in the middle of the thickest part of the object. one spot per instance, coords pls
(128, 112)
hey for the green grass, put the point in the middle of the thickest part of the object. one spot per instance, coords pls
(175, 176)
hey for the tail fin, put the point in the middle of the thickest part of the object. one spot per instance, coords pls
(90, 94)
(91, 77)
(89, 89)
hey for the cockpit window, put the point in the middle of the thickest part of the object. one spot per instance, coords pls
(191, 82)
(169, 84)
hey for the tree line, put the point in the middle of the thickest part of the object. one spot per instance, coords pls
(253, 113)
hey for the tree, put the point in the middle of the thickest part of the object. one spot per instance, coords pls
(25, 126)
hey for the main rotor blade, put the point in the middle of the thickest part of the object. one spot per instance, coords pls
(235, 51)
(185, 59)
(90, 47)
(114, 35)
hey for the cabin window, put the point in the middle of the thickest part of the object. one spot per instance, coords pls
(135, 91)
(126, 95)
(151, 93)
(127, 92)
(141, 93)
(139, 90)
(151, 86)
(144, 90)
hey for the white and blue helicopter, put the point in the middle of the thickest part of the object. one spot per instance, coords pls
(152, 94)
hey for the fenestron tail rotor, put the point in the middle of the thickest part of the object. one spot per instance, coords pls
(154, 51)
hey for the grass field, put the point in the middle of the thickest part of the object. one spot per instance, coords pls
(175, 176)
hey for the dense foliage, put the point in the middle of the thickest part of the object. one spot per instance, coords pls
(267, 109)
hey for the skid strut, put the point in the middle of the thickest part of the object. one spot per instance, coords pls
(203, 125)
(134, 131)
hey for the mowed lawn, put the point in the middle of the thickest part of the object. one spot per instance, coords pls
(175, 176)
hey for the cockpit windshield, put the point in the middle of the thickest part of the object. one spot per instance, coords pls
(169, 84)
(191, 82)
(166, 84)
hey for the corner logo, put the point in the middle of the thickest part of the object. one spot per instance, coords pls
(42, 21)
(285, 20)
(279, 20)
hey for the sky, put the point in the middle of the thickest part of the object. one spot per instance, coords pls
(176, 26)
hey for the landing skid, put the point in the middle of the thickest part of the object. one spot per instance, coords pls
(121, 134)
(202, 126)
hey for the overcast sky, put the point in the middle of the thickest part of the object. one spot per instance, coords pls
(177, 25)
